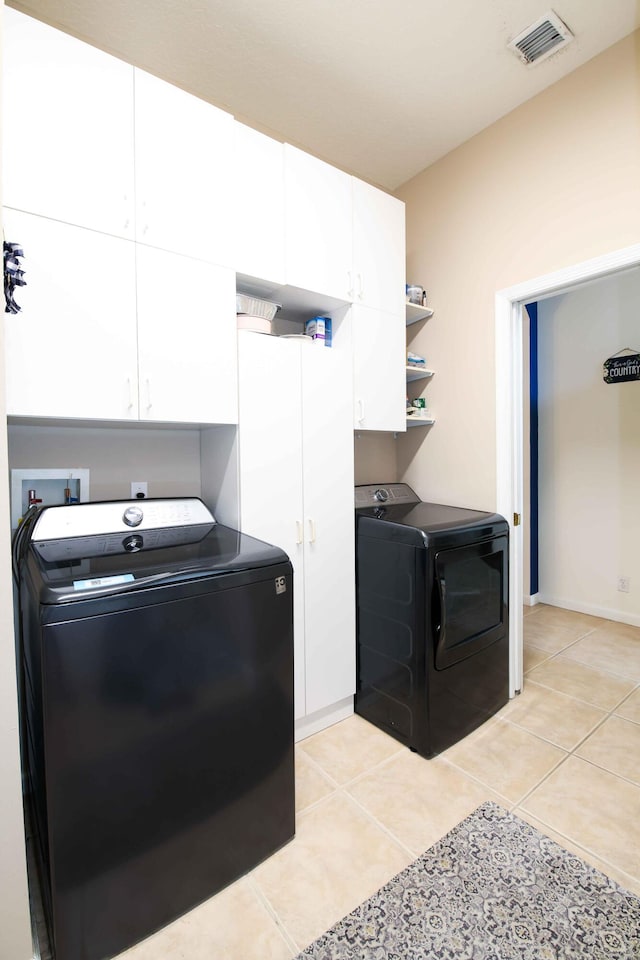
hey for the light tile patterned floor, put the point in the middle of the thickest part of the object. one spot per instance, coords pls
(563, 755)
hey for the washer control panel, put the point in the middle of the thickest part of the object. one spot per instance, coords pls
(79, 530)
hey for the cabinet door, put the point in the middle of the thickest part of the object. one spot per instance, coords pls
(318, 225)
(270, 453)
(380, 388)
(329, 526)
(186, 339)
(184, 156)
(71, 351)
(259, 205)
(67, 147)
(378, 248)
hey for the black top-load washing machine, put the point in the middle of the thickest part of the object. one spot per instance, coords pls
(157, 708)
(432, 616)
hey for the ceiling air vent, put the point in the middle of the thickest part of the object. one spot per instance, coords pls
(541, 39)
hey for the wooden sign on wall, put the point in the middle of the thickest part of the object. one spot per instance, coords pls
(621, 369)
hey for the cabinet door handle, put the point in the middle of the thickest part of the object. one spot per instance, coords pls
(360, 287)
(312, 530)
(350, 285)
(149, 402)
(298, 533)
(360, 410)
(129, 395)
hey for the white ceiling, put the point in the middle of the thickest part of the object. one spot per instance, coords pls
(380, 88)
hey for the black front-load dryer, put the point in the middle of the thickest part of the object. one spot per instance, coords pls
(432, 616)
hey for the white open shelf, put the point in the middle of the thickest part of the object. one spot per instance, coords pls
(419, 421)
(414, 312)
(417, 373)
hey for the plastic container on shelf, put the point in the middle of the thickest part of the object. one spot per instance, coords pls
(254, 307)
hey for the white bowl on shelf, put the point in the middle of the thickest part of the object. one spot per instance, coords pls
(254, 324)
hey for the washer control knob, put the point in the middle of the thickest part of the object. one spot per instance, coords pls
(132, 516)
(381, 495)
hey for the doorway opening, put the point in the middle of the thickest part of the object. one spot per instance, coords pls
(510, 304)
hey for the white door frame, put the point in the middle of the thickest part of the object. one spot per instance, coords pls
(509, 306)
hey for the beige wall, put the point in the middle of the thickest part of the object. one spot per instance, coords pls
(374, 458)
(589, 450)
(554, 183)
(169, 460)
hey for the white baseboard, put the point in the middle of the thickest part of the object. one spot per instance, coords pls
(531, 600)
(593, 610)
(307, 726)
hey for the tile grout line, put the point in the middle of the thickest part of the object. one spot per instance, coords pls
(381, 826)
(588, 703)
(515, 803)
(581, 846)
(572, 753)
(358, 776)
(272, 912)
(618, 776)
(571, 696)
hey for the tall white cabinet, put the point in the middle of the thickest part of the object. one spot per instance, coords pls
(296, 490)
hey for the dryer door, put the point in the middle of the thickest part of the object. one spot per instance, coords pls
(471, 593)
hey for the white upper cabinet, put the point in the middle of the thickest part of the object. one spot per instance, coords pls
(186, 339)
(318, 225)
(113, 331)
(343, 237)
(184, 172)
(72, 351)
(259, 205)
(67, 148)
(378, 249)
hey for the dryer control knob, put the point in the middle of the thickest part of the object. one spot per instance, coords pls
(381, 495)
(132, 516)
(133, 543)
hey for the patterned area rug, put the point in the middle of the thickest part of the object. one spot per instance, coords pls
(493, 888)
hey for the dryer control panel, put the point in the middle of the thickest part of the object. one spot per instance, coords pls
(377, 494)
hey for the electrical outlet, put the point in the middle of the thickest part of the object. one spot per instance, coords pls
(624, 584)
(138, 489)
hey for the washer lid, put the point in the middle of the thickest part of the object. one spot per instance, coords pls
(219, 552)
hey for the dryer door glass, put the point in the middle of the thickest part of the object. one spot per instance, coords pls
(470, 606)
